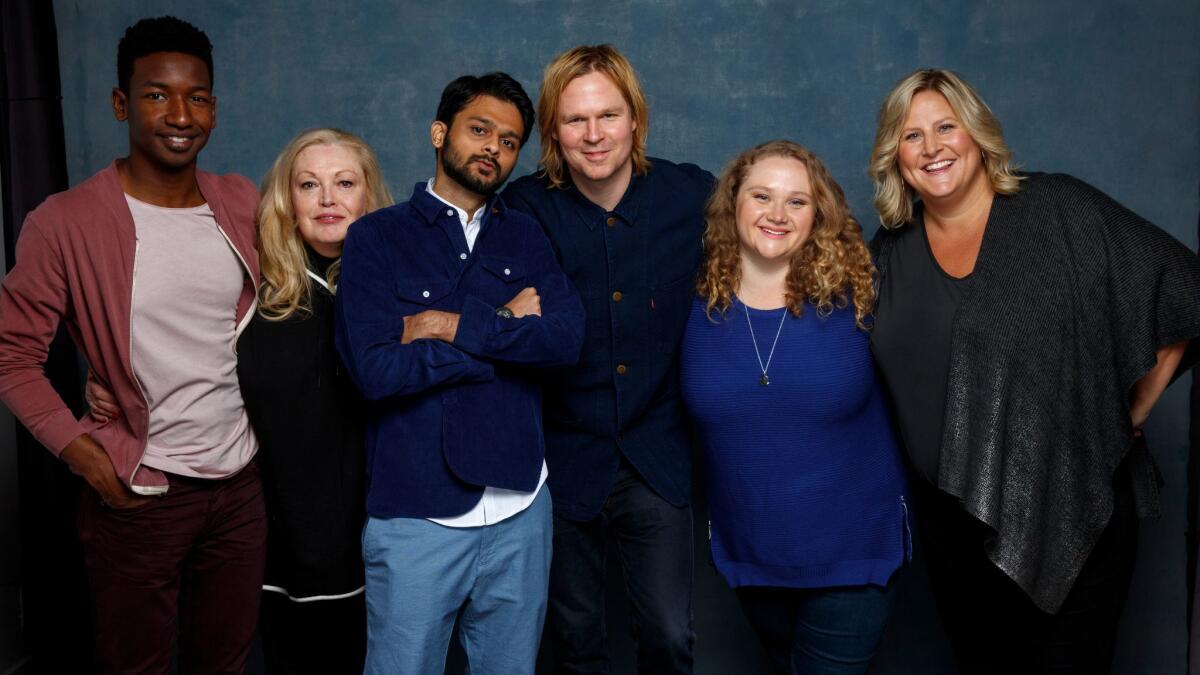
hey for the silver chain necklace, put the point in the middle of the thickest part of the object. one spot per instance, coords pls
(763, 380)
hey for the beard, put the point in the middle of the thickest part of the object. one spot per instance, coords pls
(458, 170)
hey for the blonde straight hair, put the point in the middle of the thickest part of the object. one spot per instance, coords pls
(574, 63)
(286, 286)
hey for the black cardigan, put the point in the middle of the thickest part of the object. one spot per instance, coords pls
(1071, 296)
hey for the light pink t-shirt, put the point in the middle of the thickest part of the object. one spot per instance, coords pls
(186, 283)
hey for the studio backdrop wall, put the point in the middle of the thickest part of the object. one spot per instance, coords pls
(1107, 91)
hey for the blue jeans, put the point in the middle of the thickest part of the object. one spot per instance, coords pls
(654, 541)
(420, 575)
(819, 631)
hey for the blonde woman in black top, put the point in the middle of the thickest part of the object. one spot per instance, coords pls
(1026, 324)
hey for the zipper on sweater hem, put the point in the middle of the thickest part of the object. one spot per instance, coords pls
(147, 491)
(254, 302)
(152, 490)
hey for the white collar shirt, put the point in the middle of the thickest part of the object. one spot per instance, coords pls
(470, 225)
(496, 504)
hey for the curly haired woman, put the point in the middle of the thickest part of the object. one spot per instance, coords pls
(808, 500)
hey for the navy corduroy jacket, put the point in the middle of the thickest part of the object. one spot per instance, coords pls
(449, 419)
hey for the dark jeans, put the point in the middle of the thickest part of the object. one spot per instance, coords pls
(819, 631)
(321, 637)
(992, 624)
(190, 560)
(654, 541)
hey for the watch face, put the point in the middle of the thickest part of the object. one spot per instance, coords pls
(504, 313)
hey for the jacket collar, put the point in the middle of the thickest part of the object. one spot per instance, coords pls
(628, 209)
(110, 184)
(430, 207)
(110, 181)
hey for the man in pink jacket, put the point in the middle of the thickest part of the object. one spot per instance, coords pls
(151, 265)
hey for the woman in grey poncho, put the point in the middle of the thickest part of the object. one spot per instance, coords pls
(1026, 324)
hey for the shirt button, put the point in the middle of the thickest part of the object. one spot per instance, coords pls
(449, 212)
(617, 296)
(622, 369)
(495, 209)
(507, 271)
(462, 256)
(424, 294)
(611, 221)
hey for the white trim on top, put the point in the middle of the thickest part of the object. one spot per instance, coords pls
(313, 598)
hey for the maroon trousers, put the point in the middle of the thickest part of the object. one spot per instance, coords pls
(188, 563)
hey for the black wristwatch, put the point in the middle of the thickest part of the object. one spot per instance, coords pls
(504, 313)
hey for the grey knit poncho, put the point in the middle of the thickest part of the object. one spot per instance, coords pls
(1071, 296)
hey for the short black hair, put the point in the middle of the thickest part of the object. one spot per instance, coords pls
(459, 94)
(160, 34)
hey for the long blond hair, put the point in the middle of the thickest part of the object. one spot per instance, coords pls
(286, 287)
(577, 62)
(831, 267)
(893, 197)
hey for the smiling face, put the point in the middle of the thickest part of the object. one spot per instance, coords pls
(170, 110)
(938, 158)
(328, 193)
(774, 210)
(480, 147)
(595, 130)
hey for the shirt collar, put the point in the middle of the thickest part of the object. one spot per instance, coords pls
(430, 205)
(462, 215)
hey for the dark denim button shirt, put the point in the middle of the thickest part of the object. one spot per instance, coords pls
(635, 268)
(449, 419)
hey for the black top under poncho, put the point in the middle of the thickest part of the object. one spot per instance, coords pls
(911, 342)
(308, 417)
(1070, 298)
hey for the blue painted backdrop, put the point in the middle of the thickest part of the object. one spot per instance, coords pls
(1108, 91)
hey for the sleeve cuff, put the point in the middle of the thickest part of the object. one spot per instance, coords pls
(58, 432)
(475, 322)
(481, 371)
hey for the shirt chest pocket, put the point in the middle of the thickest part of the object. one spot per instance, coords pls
(421, 295)
(503, 269)
(501, 278)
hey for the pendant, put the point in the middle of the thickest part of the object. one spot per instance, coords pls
(764, 380)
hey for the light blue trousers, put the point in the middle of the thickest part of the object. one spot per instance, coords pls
(420, 574)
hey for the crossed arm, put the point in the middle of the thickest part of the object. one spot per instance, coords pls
(435, 324)
(391, 354)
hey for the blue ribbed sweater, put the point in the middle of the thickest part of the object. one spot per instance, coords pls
(806, 484)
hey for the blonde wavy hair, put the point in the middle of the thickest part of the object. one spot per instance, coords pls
(574, 63)
(286, 286)
(831, 267)
(893, 197)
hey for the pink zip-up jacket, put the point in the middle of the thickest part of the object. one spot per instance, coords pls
(75, 264)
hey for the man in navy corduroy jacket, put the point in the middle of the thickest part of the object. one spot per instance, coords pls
(449, 309)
